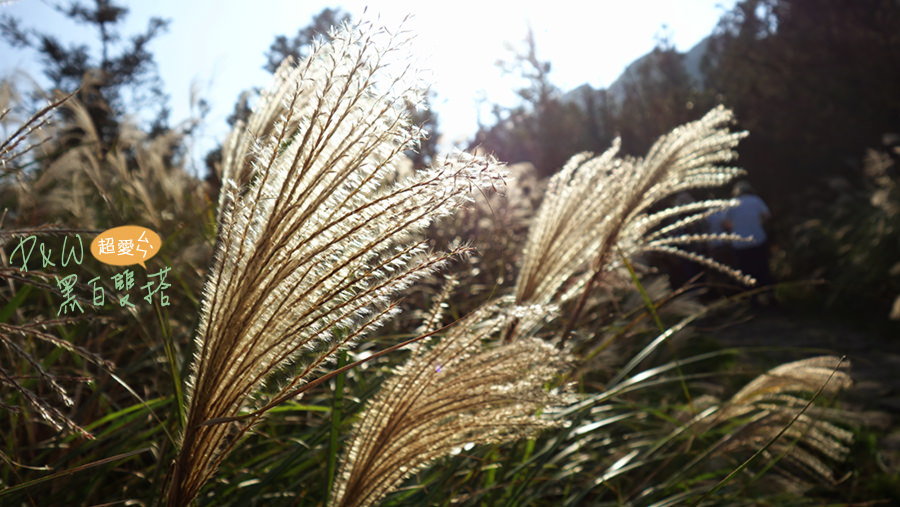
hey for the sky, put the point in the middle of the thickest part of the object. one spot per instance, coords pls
(215, 49)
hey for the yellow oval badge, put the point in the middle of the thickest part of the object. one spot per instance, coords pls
(126, 245)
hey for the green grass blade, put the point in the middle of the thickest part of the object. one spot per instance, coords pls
(336, 412)
(662, 328)
(10, 308)
(63, 473)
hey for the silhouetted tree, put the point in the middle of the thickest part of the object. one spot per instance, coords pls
(122, 78)
(282, 47)
(425, 117)
(816, 82)
(543, 129)
(659, 94)
(298, 46)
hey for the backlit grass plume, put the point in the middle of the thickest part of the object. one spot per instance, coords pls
(313, 246)
(709, 452)
(772, 403)
(598, 207)
(460, 391)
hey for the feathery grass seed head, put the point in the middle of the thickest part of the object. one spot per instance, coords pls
(457, 392)
(597, 206)
(312, 243)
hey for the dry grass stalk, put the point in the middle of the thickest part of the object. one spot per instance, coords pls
(12, 148)
(458, 392)
(771, 401)
(42, 405)
(13, 337)
(311, 250)
(599, 206)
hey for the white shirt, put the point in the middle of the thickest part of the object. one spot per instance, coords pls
(746, 220)
(716, 225)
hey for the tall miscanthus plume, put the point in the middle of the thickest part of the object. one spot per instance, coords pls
(599, 208)
(458, 390)
(774, 409)
(313, 239)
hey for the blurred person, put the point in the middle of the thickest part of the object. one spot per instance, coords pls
(747, 219)
(683, 271)
(721, 285)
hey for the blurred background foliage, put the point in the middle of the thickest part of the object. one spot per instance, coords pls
(815, 84)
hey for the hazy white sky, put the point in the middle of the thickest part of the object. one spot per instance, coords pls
(216, 47)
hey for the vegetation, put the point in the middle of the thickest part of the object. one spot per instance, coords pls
(339, 330)
(814, 82)
(120, 78)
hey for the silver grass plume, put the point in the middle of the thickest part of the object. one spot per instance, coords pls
(597, 207)
(769, 403)
(131, 179)
(454, 392)
(313, 246)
